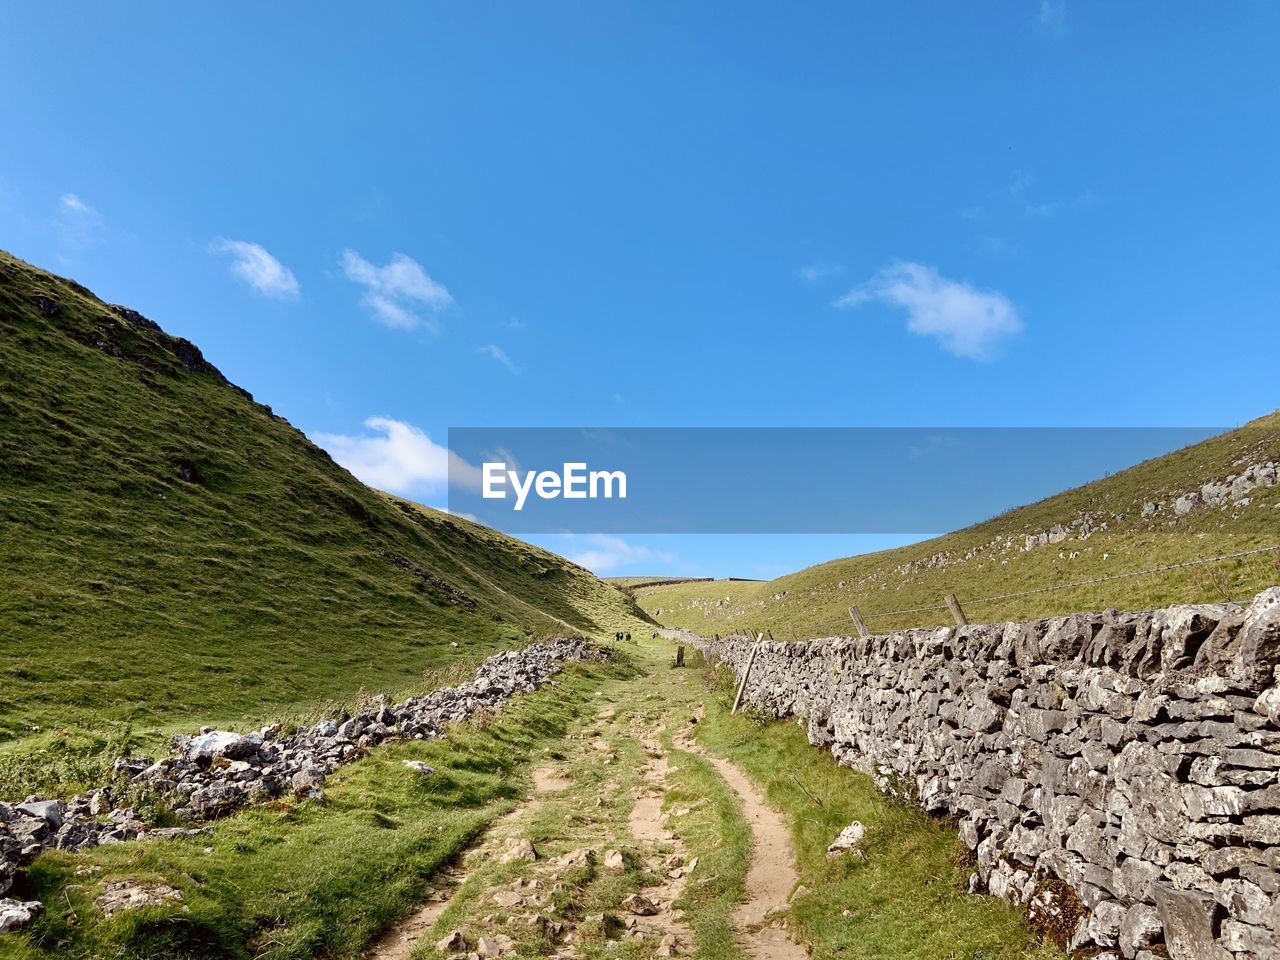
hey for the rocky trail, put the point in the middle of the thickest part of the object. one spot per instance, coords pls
(597, 861)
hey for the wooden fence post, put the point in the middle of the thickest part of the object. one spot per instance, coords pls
(680, 655)
(742, 684)
(856, 615)
(956, 610)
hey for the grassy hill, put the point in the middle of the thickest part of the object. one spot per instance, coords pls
(172, 551)
(1216, 497)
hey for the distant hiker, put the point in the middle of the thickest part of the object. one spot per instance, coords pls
(628, 636)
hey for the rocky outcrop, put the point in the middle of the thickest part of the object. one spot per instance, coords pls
(1117, 772)
(215, 772)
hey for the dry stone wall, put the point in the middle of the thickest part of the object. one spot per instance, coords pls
(1118, 772)
(214, 773)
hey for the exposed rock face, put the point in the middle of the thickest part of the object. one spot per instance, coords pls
(1134, 757)
(216, 772)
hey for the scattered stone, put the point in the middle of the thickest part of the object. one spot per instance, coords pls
(582, 857)
(614, 861)
(495, 945)
(641, 906)
(849, 840)
(130, 895)
(455, 942)
(418, 767)
(519, 850)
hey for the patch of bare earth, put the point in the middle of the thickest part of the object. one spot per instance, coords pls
(550, 780)
(771, 876)
(400, 941)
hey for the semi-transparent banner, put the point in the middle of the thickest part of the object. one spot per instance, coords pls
(778, 479)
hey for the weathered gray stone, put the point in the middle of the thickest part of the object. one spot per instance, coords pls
(848, 841)
(50, 811)
(1140, 927)
(1246, 902)
(1188, 921)
(1255, 941)
(16, 914)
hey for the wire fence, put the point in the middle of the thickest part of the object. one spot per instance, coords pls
(1053, 588)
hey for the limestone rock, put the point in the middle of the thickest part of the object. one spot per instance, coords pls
(130, 895)
(455, 942)
(16, 914)
(495, 945)
(849, 840)
(640, 905)
(520, 849)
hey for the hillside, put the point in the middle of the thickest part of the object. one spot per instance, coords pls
(1214, 498)
(172, 550)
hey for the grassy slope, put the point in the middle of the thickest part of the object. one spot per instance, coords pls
(979, 565)
(263, 580)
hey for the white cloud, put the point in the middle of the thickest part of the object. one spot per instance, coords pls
(70, 203)
(1053, 15)
(966, 321)
(396, 291)
(813, 272)
(400, 458)
(252, 263)
(603, 553)
(499, 356)
(1020, 181)
(77, 223)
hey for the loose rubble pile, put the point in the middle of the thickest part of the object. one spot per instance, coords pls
(215, 772)
(1117, 772)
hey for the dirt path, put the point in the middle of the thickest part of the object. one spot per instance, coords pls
(399, 942)
(595, 854)
(771, 876)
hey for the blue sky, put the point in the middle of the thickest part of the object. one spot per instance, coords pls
(388, 221)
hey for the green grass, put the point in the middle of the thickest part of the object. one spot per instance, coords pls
(815, 601)
(717, 833)
(908, 899)
(317, 879)
(172, 553)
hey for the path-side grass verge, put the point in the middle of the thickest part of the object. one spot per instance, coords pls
(717, 834)
(908, 898)
(319, 879)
